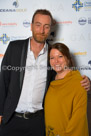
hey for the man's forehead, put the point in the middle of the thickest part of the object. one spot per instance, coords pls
(42, 18)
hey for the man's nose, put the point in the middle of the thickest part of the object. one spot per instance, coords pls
(42, 29)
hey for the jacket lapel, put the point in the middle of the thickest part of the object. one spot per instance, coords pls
(23, 61)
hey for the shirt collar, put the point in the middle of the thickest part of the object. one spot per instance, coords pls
(43, 51)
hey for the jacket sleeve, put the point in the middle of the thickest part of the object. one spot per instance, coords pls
(78, 125)
(4, 78)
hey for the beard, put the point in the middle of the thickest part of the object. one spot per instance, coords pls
(40, 38)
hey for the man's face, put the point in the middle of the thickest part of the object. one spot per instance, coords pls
(41, 27)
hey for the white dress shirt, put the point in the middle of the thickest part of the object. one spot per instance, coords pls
(35, 77)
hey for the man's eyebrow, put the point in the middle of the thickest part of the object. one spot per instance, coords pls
(48, 24)
(41, 23)
(37, 23)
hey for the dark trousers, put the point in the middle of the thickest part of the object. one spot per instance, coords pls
(18, 126)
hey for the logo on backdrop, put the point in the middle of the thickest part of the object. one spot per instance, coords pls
(89, 20)
(16, 4)
(13, 38)
(4, 38)
(80, 53)
(26, 23)
(82, 21)
(8, 24)
(77, 5)
(87, 5)
(89, 62)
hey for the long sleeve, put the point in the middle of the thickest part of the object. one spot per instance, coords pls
(66, 107)
(77, 125)
(4, 79)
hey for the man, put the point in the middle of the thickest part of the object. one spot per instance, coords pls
(23, 80)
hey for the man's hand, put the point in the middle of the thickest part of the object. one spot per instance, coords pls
(0, 119)
(86, 83)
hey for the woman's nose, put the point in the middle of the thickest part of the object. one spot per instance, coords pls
(56, 60)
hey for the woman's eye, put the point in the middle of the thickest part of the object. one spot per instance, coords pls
(60, 56)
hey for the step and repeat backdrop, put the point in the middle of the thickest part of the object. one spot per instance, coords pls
(72, 26)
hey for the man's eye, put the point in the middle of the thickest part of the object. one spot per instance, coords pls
(51, 58)
(38, 25)
(47, 27)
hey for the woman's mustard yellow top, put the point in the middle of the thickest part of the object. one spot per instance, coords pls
(66, 107)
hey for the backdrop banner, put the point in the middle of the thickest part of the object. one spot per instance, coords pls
(72, 27)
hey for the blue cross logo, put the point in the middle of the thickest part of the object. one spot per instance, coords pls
(4, 38)
(77, 5)
(16, 4)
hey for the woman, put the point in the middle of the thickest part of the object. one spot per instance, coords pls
(66, 100)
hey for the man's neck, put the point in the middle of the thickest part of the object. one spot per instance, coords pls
(36, 47)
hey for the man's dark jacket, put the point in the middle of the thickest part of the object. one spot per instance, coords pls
(11, 80)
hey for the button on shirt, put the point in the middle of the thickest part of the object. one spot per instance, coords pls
(34, 83)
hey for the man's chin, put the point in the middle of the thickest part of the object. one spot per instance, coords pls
(40, 41)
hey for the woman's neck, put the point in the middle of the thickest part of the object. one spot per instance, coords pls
(62, 74)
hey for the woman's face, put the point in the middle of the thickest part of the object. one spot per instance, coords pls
(58, 61)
